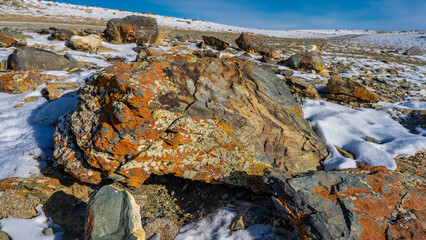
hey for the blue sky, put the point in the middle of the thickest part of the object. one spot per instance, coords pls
(283, 14)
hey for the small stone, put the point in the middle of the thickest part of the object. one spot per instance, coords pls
(4, 236)
(237, 224)
(373, 140)
(69, 57)
(48, 231)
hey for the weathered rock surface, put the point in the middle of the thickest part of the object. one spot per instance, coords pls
(215, 43)
(214, 120)
(36, 186)
(414, 51)
(20, 82)
(132, 29)
(305, 61)
(62, 34)
(9, 38)
(302, 87)
(366, 203)
(346, 90)
(250, 43)
(53, 91)
(146, 52)
(90, 42)
(34, 59)
(113, 214)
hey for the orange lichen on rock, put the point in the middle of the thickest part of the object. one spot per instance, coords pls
(202, 120)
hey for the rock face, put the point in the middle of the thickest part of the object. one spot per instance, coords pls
(91, 42)
(251, 43)
(221, 120)
(215, 43)
(305, 61)
(113, 214)
(34, 59)
(132, 29)
(346, 90)
(20, 82)
(302, 88)
(414, 51)
(369, 203)
(9, 38)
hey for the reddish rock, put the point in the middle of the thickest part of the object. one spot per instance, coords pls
(346, 90)
(37, 186)
(9, 38)
(132, 29)
(302, 88)
(366, 203)
(215, 43)
(250, 43)
(20, 82)
(221, 120)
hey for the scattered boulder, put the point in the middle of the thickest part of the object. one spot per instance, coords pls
(302, 87)
(215, 43)
(346, 90)
(34, 59)
(220, 120)
(91, 42)
(132, 29)
(113, 214)
(62, 35)
(250, 43)
(305, 61)
(147, 52)
(19, 82)
(9, 38)
(414, 51)
(365, 203)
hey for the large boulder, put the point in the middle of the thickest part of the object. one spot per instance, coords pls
(221, 120)
(250, 43)
(113, 214)
(9, 38)
(132, 29)
(305, 61)
(215, 43)
(34, 59)
(343, 89)
(90, 42)
(366, 203)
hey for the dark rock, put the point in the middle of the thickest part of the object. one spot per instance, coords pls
(250, 43)
(9, 38)
(34, 59)
(206, 53)
(346, 90)
(366, 203)
(48, 231)
(414, 51)
(286, 73)
(221, 120)
(47, 30)
(302, 88)
(113, 214)
(305, 61)
(62, 35)
(139, 48)
(215, 43)
(132, 29)
(69, 57)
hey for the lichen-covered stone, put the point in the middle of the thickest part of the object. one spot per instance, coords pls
(305, 61)
(215, 43)
(9, 38)
(20, 82)
(302, 87)
(250, 43)
(346, 90)
(221, 120)
(132, 29)
(366, 203)
(37, 186)
(113, 214)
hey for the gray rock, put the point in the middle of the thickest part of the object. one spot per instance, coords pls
(305, 61)
(250, 43)
(414, 51)
(132, 29)
(34, 59)
(113, 214)
(48, 231)
(373, 140)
